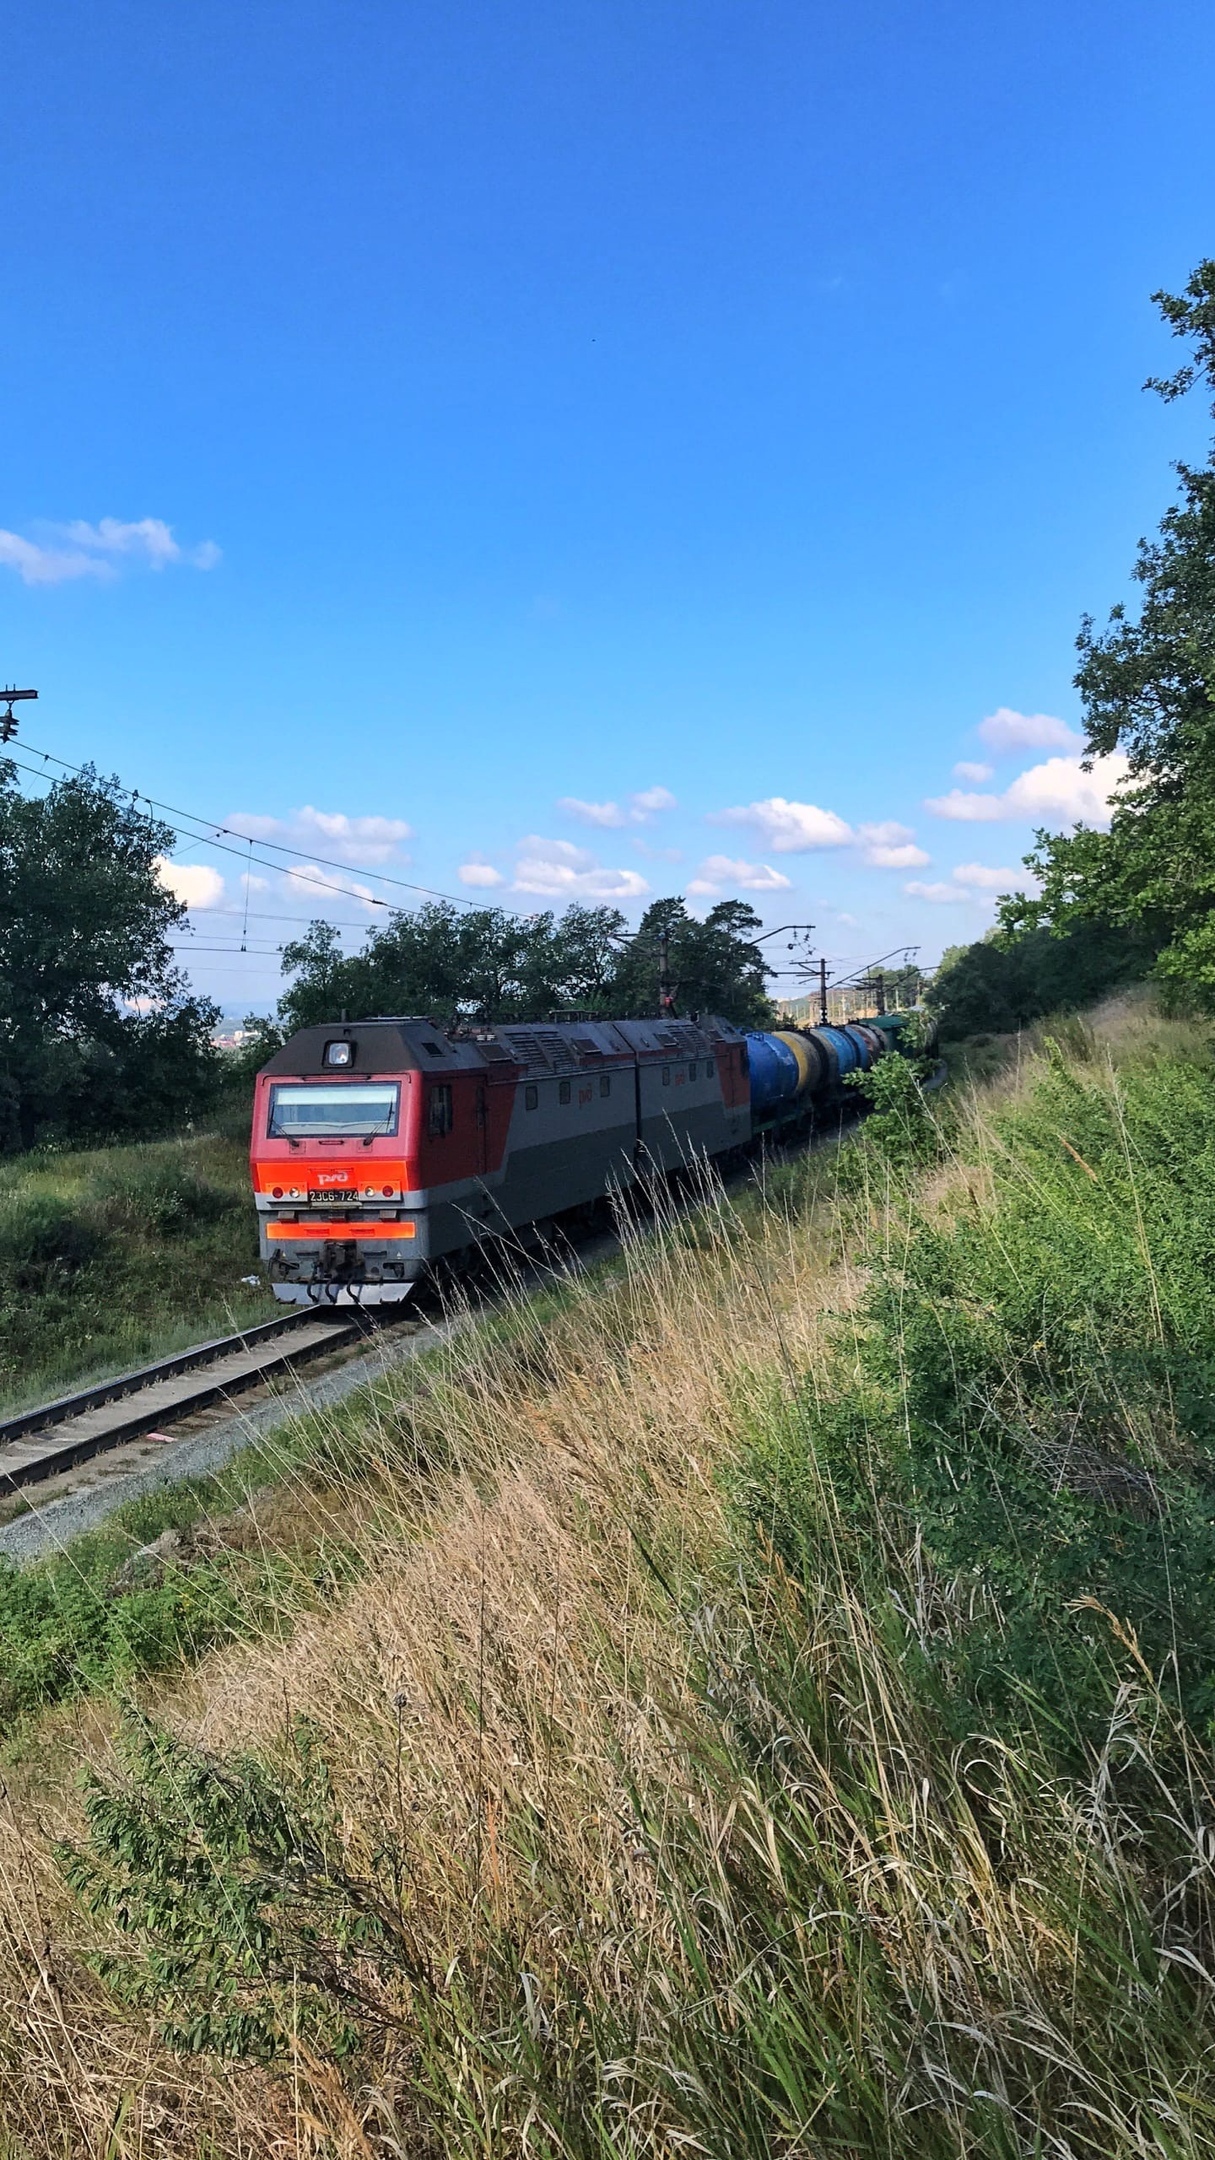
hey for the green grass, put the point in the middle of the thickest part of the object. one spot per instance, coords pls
(94, 1619)
(112, 1256)
(858, 1806)
(1027, 1399)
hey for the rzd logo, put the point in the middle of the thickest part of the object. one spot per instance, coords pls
(334, 1177)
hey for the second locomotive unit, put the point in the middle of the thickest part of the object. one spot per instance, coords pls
(383, 1146)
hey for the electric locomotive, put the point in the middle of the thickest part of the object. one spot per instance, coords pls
(385, 1145)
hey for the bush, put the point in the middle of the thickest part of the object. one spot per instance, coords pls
(1028, 1398)
(111, 1257)
(161, 1196)
(1000, 984)
(903, 1130)
(43, 1242)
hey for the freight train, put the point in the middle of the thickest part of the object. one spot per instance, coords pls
(382, 1147)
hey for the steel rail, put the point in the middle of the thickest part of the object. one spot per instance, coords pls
(37, 1442)
(54, 1436)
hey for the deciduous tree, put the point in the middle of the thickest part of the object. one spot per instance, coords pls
(1148, 686)
(99, 1030)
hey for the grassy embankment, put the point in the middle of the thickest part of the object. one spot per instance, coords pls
(114, 1255)
(757, 1703)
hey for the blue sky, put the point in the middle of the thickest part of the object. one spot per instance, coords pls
(421, 420)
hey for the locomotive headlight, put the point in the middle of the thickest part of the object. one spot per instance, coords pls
(338, 1053)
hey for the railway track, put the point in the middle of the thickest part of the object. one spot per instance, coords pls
(37, 1443)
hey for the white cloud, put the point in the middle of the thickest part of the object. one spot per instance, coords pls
(975, 774)
(196, 884)
(975, 883)
(79, 550)
(36, 565)
(889, 846)
(358, 839)
(788, 828)
(887, 834)
(945, 894)
(897, 858)
(972, 809)
(1061, 788)
(1056, 789)
(724, 873)
(556, 869)
(310, 881)
(638, 810)
(1008, 730)
(593, 813)
(480, 873)
(991, 880)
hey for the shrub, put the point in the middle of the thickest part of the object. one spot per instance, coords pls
(43, 1242)
(1026, 1397)
(161, 1195)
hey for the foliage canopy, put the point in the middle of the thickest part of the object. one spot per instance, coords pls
(99, 1030)
(1148, 686)
(1002, 983)
(486, 964)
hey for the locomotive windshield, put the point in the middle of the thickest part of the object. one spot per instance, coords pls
(341, 1112)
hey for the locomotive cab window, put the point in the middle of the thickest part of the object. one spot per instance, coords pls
(605, 1083)
(531, 1096)
(563, 1091)
(345, 1111)
(439, 1118)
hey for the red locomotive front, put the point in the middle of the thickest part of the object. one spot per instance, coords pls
(334, 1159)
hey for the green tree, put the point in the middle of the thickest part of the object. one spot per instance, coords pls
(1002, 983)
(1148, 686)
(483, 963)
(715, 964)
(454, 963)
(99, 1030)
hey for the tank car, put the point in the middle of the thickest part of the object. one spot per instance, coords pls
(382, 1146)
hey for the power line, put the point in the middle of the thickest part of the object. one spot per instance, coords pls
(201, 840)
(256, 915)
(210, 839)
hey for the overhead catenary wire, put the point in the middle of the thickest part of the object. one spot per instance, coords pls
(213, 829)
(210, 838)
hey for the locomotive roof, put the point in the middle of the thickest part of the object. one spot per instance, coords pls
(388, 1043)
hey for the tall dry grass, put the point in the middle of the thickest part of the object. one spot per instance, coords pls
(663, 1853)
(496, 1656)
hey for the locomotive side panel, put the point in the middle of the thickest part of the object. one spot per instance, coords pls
(693, 1094)
(569, 1140)
(381, 1146)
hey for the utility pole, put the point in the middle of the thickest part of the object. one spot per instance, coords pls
(666, 985)
(822, 993)
(8, 719)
